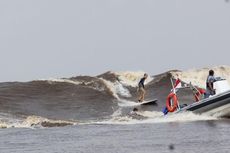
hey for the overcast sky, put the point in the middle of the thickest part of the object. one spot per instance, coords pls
(63, 38)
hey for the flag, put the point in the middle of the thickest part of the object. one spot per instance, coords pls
(177, 84)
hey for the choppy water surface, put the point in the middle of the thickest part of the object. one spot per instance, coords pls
(190, 137)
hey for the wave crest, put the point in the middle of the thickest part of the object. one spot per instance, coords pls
(198, 76)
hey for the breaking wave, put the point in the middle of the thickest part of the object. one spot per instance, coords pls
(107, 97)
(9, 121)
(198, 76)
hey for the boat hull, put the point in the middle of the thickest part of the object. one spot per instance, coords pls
(218, 105)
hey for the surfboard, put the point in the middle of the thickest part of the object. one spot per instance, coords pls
(127, 103)
(149, 102)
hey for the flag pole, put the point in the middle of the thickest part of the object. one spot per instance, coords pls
(174, 91)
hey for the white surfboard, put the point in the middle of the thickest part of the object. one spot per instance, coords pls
(149, 102)
(132, 103)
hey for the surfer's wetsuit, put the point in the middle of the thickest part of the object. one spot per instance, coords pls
(141, 83)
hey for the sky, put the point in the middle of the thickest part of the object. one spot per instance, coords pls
(41, 39)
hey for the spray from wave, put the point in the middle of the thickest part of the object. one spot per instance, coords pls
(85, 99)
(9, 121)
(147, 117)
(198, 76)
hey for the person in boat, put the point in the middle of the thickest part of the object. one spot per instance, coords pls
(210, 84)
(141, 88)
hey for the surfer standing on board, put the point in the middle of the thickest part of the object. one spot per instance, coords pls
(141, 88)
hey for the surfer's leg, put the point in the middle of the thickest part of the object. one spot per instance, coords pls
(139, 94)
(142, 94)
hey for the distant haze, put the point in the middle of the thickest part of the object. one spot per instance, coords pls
(63, 38)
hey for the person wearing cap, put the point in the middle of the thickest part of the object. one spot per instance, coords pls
(141, 88)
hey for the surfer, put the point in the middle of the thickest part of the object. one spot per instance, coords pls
(135, 114)
(141, 88)
(209, 84)
(134, 111)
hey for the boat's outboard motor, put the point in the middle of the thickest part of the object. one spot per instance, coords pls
(221, 86)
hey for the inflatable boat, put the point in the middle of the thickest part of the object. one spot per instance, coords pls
(217, 105)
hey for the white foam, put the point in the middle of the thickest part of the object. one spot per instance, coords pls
(53, 80)
(150, 114)
(129, 78)
(127, 103)
(116, 113)
(182, 117)
(198, 76)
(158, 117)
(29, 122)
(37, 120)
(20, 123)
(117, 88)
(8, 120)
(3, 125)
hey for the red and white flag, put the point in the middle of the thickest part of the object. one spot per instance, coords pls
(177, 84)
